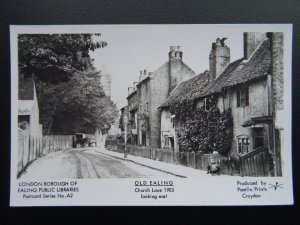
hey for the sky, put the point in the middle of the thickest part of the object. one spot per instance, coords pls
(132, 48)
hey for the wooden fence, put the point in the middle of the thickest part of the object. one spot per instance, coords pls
(56, 142)
(33, 147)
(189, 159)
(255, 163)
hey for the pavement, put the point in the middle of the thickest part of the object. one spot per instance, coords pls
(173, 169)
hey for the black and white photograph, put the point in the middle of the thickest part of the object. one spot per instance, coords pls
(157, 109)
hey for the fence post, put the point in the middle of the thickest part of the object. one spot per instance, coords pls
(36, 149)
(241, 166)
(28, 160)
(23, 146)
(187, 158)
(194, 160)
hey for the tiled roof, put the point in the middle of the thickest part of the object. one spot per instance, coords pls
(237, 72)
(188, 89)
(26, 89)
(220, 82)
(259, 65)
(131, 94)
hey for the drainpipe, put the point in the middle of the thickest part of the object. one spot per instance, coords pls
(272, 109)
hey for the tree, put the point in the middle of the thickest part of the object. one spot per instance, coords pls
(55, 57)
(70, 95)
(79, 105)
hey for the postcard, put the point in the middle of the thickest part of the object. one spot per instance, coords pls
(151, 115)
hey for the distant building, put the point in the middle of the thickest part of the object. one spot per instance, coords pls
(106, 81)
(28, 109)
(122, 122)
(152, 90)
(133, 114)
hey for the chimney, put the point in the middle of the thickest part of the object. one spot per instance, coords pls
(143, 75)
(219, 58)
(130, 90)
(175, 53)
(251, 42)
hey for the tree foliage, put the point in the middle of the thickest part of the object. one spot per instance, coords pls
(55, 57)
(70, 95)
(203, 130)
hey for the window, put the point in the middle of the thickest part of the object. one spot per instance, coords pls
(243, 144)
(242, 97)
(258, 142)
(173, 120)
(166, 141)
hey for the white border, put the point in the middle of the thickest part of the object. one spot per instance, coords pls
(188, 191)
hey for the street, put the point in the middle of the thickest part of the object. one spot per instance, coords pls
(86, 163)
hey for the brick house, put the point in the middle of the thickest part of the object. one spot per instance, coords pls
(132, 115)
(152, 90)
(28, 109)
(251, 87)
(124, 113)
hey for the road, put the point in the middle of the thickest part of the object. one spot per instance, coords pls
(86, 163)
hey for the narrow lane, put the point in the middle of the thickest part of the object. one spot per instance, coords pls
(86, 163)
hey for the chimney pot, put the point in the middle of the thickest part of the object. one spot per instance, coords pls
(175, 52)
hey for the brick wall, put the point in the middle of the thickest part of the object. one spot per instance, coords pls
(159, 85)
(143, 96)
(178, 72)
(162, 81)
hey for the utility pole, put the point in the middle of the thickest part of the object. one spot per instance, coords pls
(125, 138)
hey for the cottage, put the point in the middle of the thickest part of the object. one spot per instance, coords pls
(250, 88)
